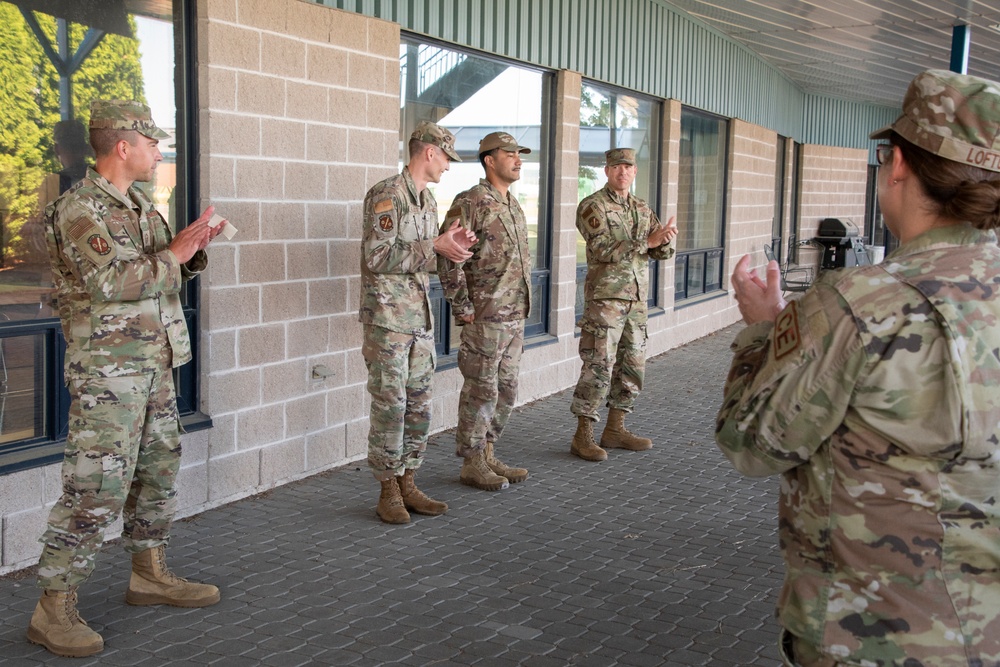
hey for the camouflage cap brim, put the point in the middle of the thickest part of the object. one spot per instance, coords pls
(954, 116)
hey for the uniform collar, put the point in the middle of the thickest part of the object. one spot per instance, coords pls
(411, 187)
(615, 197)
(132, 199)
(490, 188)
(943, 237)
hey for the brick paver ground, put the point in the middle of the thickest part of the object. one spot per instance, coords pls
(666, 557)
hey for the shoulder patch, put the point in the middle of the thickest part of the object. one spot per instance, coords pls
(99, 244)
(383, 206)
(82, 228)
(787, 336)
(385, 222)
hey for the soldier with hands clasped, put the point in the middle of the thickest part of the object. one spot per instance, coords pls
(622, 233)
(118, 271)
(490, 295)
(875, 397)
(400, 244)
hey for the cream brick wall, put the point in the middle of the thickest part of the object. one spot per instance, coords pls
(833, 186)
(299, 117)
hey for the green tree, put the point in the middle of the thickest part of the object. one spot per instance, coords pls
(30, 85)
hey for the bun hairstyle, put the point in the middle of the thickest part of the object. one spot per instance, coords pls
(949, 135)
(959, 191)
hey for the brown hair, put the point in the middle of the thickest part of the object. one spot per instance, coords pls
(959, 191)
(415, 146)
(104, 140)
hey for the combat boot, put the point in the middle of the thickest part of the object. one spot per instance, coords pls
(583, 441)
(416, 500)
(616, 435)
(153, 583)
(476, 472)
(56, 625)
(390, 503)
(513, 475)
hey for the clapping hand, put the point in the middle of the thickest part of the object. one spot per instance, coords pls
(454, 243)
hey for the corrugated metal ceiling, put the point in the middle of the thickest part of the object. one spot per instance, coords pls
(860, 50)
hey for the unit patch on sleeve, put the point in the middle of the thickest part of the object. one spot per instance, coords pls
(786, 331)
(99, 245)
(385, 222)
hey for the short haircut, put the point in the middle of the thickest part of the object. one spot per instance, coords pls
(104, 140)
(482, 156)
(416, 147)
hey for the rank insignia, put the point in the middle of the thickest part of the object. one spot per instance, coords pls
(99, 245)
(385, 223)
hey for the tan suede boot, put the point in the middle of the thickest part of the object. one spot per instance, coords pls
(616, 435)
(513, 475)
(153, 583)
(56, 625)
(416, 500)
(390, 504)
(583, 441)
(476, 472)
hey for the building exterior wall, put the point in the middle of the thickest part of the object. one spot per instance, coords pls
(833, 186)
(298, 118)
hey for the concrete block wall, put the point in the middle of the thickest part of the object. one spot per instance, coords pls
(833, 186)
(299, 116)
(752, 156)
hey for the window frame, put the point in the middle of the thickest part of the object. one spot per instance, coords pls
(653, 301)
(686, 262)
(48, 448)
(446, 333)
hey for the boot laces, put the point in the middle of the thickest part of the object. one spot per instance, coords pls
(394, 499)
(72, 614)
(161, 559)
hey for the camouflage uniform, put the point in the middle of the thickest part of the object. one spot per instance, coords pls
(400, 225)
(613, 327)
(119, 302)
(494, 285)
(876, 398)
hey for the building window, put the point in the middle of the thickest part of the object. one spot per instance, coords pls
(778, 222)
(53, 67)
(701, 204)
(472, 96)
(613, 118)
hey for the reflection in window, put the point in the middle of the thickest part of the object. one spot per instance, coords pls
(474, 96)
(700, 204)
(22, 416)
(52, 68)
(616, 119)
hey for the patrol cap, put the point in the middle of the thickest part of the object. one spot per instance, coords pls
(124, 115)
(619, 156)
(432, 133)
(501, 140)
(954, 116)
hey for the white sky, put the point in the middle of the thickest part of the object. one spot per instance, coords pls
(156, 52)
(513, 98)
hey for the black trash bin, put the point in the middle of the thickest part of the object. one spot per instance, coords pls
(842, 244)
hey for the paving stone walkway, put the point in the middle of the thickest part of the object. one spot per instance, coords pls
(666, 557)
